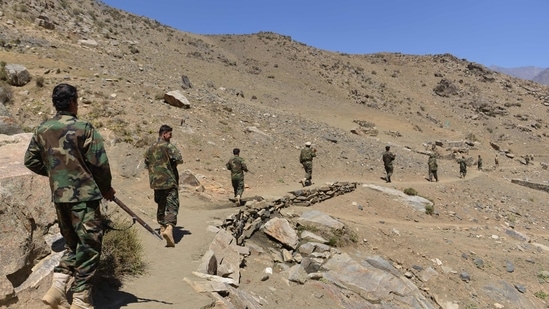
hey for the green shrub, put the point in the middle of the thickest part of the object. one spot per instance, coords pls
(540, 295)
(430, 209)
(3, 73)
(410, 191)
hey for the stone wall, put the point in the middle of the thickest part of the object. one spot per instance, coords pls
(248, 220)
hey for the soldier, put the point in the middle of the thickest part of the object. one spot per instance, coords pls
(496, 161)
(433, 167)
(462, 167)
(161, 160)
(388, 158)
(237, 166)
(306, 159)
(479, 163)
(71, 153)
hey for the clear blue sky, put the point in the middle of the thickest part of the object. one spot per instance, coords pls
(491, 32)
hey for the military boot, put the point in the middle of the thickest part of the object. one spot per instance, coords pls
(56, 296)
(238, 200)
(168, 236)
(82, 300)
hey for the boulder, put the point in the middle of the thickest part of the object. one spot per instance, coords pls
(177, 99)
(17, 75)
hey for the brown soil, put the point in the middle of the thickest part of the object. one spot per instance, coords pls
(301, 94)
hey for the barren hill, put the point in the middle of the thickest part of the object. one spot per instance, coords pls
(268, 94)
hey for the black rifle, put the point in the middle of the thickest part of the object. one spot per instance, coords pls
(136, 218)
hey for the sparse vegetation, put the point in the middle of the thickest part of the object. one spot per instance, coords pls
(430, 209)
(3, 73)
(310, 228)
(410, 191)
(122, 253)
(39, 81)
(6, 94)
(540, 295)
(342, 238)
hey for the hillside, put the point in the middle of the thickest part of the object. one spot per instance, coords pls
(268, 94)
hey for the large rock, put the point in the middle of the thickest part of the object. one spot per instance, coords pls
(177, 99)
(27, 216)
(376, 284)
(281, 230)
(320, 220)
(8, 124)
(17, 75)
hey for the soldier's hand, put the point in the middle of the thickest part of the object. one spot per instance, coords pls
(314, 149)
(109, 194)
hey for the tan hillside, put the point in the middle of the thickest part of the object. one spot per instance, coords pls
(268, 94)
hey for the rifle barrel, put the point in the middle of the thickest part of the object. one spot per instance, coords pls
(136, 218)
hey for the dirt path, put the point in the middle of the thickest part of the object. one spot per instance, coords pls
(162, 286)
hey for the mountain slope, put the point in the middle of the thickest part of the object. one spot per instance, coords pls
(268, 94)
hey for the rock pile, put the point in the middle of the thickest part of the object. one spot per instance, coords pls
(303, 251)
(243, 224)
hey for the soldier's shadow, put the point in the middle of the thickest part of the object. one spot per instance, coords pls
(179, 232)
(110, 298)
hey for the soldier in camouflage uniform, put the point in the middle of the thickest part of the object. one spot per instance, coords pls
(433, 167)
(237, 166)
(462, 167)
(388, 158)
(71, 153)
(161, 160)
(479, 163)
(306, 159)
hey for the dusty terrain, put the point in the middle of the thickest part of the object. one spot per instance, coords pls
(292, 93)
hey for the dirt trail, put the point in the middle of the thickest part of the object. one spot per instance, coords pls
(162, 286)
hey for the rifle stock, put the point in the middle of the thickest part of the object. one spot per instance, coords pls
(136, 218)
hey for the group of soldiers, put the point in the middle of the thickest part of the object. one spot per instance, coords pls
(388, 158)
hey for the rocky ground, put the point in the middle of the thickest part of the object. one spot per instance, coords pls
(268, 95)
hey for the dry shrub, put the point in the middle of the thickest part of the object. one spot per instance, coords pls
(122, 253)
(39, 81)
(6, 94)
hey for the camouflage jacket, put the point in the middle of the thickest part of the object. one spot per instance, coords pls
(307, 154)
(70, 152)
(433, 166)
(237, 166)
(161, 159)
(388, 158)
(462, 164)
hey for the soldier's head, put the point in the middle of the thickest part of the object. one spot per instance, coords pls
(308, 144)
(387, 148)
(65, 98)
(165, 132)
(236, 151)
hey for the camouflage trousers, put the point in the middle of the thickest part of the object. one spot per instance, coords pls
(238, 185)
(433, 173)
(80, 225)
(389, 171)
(308, 167)
(168, 206)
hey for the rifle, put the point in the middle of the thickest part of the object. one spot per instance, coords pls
(136, 218)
